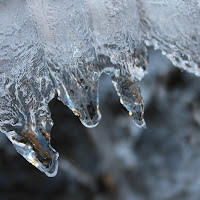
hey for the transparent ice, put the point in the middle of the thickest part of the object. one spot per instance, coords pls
(62, 47)
(174, 28)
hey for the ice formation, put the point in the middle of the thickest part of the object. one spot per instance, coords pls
(174, 28)
(62, 47)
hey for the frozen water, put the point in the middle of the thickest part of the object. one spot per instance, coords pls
(174, 28)
(62, 47)
(62, 27)
(25, 87)
(83, 39)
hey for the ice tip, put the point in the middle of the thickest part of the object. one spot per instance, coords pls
(92, 119)
(53, 168)
(46, 163)
(92, 122)
(141, 124)
(139, 121)
(50, 169)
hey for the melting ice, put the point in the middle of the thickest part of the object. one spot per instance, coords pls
(62, 47)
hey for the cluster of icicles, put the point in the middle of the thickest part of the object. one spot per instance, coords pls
(62, 47)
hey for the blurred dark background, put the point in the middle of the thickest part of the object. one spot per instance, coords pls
(116, 160)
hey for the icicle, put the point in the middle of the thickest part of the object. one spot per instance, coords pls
(130, 97)
(33, 144)
(79, 91)
(62, 47)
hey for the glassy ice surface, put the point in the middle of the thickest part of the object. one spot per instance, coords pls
(174, 28)
(62, 47)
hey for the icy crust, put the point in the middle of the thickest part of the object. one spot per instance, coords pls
(174, 28)
(76, 48)
(50, 48)
(25, 88)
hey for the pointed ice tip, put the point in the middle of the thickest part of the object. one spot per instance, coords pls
(144, 125)
(47, 163)
(92, 122)
(89, 124)
(141, 124)
(52, 170)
